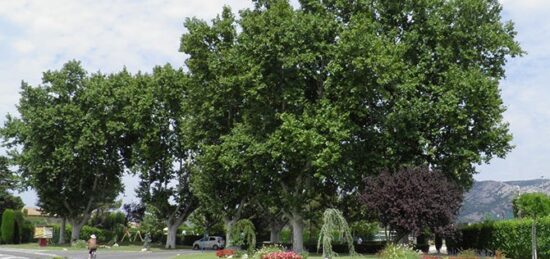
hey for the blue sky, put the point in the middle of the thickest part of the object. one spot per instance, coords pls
(107, 35)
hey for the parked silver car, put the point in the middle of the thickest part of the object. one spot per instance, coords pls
(210, 242)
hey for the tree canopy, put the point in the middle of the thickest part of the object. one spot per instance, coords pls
(288, 104)
(311, 99)
(412, 200)
(531, 205)
(154, 115)
(66, 142)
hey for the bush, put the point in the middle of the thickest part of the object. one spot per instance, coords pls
(27, 234)
(103, 236)
(512, 237)
(393, 251)
(80, 244)
(8, 226)
(19, 221)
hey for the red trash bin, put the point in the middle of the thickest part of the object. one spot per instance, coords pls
(42, 242)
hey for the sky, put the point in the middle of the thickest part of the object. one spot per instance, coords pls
(36, 36)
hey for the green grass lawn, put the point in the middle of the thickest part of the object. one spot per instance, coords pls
(213, 256)
(68, 247)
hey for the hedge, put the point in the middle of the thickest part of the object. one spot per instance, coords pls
(8, 226)
(103, 236)
(513, 237)
(18, 228)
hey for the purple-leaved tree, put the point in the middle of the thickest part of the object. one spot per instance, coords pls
(413, 199)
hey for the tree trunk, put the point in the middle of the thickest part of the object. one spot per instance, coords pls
(172, 236)
(275, 235)
(75, 233)
(297, 223)
(62, 232)
(228, 227)
(533, 240)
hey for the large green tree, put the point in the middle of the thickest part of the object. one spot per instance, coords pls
(159, 152)
(420, 80)
(322, 95)
(66, 142)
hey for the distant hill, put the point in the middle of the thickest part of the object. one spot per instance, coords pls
(493, 199)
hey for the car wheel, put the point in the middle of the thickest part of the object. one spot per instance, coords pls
(196, 247)
(215, 247)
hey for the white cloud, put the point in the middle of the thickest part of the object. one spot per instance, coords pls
(36, 36)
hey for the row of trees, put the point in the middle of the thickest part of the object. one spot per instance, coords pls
(283, 109)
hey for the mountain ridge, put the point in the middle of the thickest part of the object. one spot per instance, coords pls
(493, 199)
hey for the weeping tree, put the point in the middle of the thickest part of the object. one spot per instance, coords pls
(244, 233)
(334, 226)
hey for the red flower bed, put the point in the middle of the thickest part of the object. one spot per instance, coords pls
(224, 253)
(282, 255)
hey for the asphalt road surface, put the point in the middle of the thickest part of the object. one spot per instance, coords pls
(15, 253)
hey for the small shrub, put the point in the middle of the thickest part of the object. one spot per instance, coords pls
(393, 251)
(79, 244)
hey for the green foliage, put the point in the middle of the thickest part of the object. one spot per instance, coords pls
(296, 96)
(9, 201)
(364, 229)
(103, 236)
(532, 205)
(512, 237)
(244, 233)
(393, 251)
(159, 154)
(8, 179)
(19, 221)
(79, 244)
(81, 160)
(205, 221)
(334, 225)
(57, 229)
(152, 223)
(8, 226)
(27, 232)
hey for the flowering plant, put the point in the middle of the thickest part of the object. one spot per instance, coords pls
(282, 255)
(225, 253)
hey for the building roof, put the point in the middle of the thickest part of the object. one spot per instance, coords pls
(32, 212)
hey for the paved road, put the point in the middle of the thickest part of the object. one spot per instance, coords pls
(13, 253)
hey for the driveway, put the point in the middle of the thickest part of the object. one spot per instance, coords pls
(16, 253)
